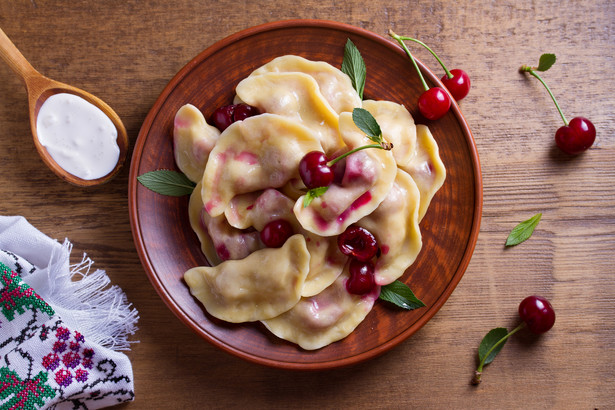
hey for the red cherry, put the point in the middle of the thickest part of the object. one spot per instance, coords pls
(275, 233)
(537, 313)
(576, 137)
(458, 85)
(243, 111)
(223, 117)
(357, 242)
(434, 103)
(314, 171)
(361, 279)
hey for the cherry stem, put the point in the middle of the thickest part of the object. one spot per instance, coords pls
(403, 45)
(478, 372)
(535, 74)
(344, 155)
(448, 73)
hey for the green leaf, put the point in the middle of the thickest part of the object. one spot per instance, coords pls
(368, 124)
(490, 339)
(401, 295)
(523, 231)
(313, 194)
(167, 182)
(545, 62)
(354, 66)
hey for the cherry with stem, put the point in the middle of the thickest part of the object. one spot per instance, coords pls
(434, 102)
(456, 80)
(576, 135)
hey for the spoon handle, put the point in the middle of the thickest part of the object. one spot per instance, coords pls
(15, 59)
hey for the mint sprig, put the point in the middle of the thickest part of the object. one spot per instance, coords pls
(354, 66)
(523, 230)
(312, 194)
(490, 346)
(167, 182)
(400, 295)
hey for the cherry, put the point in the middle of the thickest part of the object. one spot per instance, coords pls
(314, 171)
(243, 111)
(228, 114)
(434, 103)
(275, 233)
(458, 84)
(361, 279)
(357, 242)
(223, 117)
(537, 313)
(575, 137)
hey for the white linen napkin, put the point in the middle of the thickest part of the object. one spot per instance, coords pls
(60, 338)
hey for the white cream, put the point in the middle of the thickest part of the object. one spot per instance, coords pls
(78, 135)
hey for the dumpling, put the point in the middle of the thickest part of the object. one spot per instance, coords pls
(258, 209)
(368, 177)
(193, 140)
(396, 228)
(324, 318)
(219, 240)
(426, 168)
(261, 286)
(397, 127)
(334, 85)
(297, 97)
(257, 153)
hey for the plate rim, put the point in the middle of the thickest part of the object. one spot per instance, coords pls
(169, 300)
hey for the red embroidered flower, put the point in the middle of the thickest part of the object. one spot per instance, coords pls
(81, 375)
(51, 361)
(89, 353)
(59, 346)
(79, 337)
(74, 346)
(64, 377)
(71, 360)
(87, 363)
(63, 333)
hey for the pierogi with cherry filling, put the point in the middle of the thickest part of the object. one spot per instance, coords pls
(275, 257)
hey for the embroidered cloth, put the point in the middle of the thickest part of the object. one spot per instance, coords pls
(62, 326)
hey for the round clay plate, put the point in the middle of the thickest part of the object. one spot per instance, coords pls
(168, 247)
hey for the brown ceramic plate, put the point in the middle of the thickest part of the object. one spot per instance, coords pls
(168, 247)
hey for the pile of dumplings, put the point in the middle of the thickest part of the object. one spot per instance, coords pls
(247, 176)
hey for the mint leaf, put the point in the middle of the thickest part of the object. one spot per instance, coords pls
(490, 339)
(523, 231)
(401, 295)
(545, 62)
(368, 124)
(167, 182)
(313, 194)
(354, 66)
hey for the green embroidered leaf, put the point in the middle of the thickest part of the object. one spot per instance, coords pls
(354, 66)
(523, 231)
(545, 62)
(313, 194)
(167, 182)
(490, 339)
(401, 295)
(368, 124)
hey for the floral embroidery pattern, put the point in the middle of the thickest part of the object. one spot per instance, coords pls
(67, 360)
(24, 394)
(16, 295)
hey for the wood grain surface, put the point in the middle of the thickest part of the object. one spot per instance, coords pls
(125, 52)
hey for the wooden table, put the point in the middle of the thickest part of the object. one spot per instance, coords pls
(126, 51)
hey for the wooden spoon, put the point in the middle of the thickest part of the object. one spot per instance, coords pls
(39, 88)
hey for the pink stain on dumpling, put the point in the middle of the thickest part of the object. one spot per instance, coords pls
(247, 157)
(181, 122)
(384, 249)
(358, 203)
(359, 167)
(223, 252)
